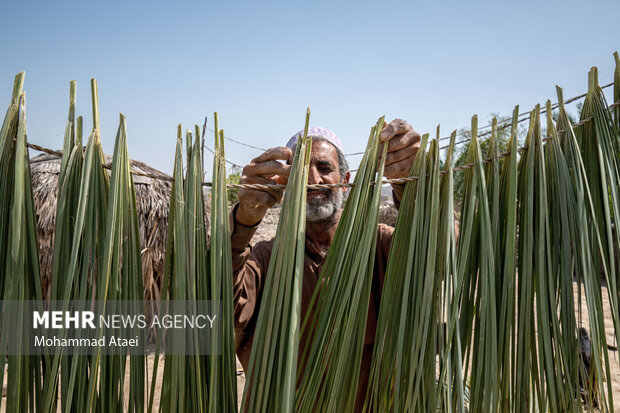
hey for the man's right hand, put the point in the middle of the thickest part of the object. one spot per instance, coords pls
(265, 169)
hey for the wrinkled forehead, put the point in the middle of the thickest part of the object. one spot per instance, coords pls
(322, 150)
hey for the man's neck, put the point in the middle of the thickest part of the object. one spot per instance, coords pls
(321, 234)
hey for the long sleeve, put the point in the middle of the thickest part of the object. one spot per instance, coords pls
(249, 269)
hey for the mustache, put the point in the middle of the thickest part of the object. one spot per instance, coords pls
(325, 191)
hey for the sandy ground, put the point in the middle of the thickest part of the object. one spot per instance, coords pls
(268, 226)
(614, 362)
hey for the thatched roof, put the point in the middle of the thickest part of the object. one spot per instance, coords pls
(152, 198)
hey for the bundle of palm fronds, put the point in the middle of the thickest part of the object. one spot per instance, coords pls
(483, 315)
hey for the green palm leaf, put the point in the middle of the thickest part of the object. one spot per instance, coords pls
(338, 323)
(482, 315)
(270, 379)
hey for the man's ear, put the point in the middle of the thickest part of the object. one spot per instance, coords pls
(347, 176)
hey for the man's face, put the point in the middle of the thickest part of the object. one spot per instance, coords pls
(323, 204)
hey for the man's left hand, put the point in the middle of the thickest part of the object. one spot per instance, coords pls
(403, 144)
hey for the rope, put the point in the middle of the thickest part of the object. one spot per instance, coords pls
(45, 150)
(227, 161)
(263, 149)
(239, 142)
(325, 186)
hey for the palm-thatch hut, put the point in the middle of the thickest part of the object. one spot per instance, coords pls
(152, 198)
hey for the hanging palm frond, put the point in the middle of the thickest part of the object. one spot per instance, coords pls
(185, 375)
(84, 248)
(193, 274)
(331, 361)
(270, 380)
(480, 315)
(222, 379)
(8, 135)
(120, 278)
(617, 92)
(21, 262)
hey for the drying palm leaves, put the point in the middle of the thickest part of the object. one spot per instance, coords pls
(451, 392)
(486, 317)
(599, 143)
(600, 146)
(270, 380)
(535, 361)
(562, 160)
(477, 277)
(616, 109)
(66, 211)
(8, 135)
(68, 196)
(333, 355)
(415, 279)
(187, 271)
(120, 279)
(504, 224)
(197, 381)
(19, 247)
(82, 235)
(222, 378)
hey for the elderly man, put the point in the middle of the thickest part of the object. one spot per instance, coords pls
(327, 166)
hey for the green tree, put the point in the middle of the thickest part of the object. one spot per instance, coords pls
(503, 136)
(233, 178)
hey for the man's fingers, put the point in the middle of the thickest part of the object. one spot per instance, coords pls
(410, 138)
(397, 170)
(395, 127)
(259, 194)
(401, 152)
(400, 155)
(267, 169)
(268, 163)
(252, 180)
(253, 203)
(279, 153)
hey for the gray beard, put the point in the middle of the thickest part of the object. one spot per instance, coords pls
(318, 209)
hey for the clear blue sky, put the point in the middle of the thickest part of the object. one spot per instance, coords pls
(260, 64)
